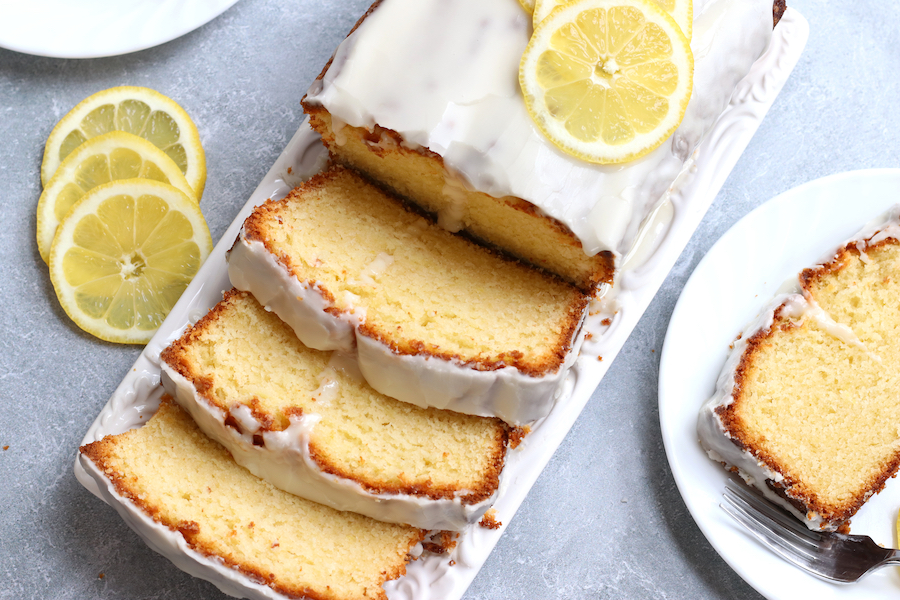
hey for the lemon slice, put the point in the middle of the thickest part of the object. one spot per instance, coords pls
(528, 5)
(141, 111)
(681, 10)
(124, 254)
(105, 158)
(607, 80)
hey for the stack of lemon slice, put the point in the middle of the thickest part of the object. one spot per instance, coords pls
(608, 80)
(119, 220)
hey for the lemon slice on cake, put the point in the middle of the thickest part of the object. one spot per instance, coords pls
(607, 80)
(137, 110)
(681, 10)
(124, 254)
(105, 158)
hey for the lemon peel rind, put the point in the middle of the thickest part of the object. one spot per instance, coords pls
(196, 173)
(591, 151)
(101, 144)
(87, 205)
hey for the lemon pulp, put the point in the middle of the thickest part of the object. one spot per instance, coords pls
(124, 255)
(109, 157)
(607, 80)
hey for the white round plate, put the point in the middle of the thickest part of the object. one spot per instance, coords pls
(729, 287)
(94, 28)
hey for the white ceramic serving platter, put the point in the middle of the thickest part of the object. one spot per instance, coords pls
(95, 28)
(607, 328)
(729, 287)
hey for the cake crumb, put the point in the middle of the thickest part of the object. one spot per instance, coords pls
(652, 350)
(489, 520)
(607, 322)
(101, 576)
(452, 563)
(599, 358)
(290, 170)
(844, 528)
(516, 435)
(441, 543)
(588, 336)
(6, 447)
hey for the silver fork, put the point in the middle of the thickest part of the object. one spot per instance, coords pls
(834, 557)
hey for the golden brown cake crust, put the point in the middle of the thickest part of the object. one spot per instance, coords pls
(255, 229)
(174, 356)
(99, 451)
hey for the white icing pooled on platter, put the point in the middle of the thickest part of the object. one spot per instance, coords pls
(714, 437)
(426, 381)
(460, 98)
(284, 460)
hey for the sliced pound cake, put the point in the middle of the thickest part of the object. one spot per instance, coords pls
(424, 98)
(306, 421)
(185, 495)
(434, 319)
(807, 408)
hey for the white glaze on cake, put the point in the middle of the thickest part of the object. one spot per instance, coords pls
(425, 381)
(461, 99)
(285, 461)
(714, 437)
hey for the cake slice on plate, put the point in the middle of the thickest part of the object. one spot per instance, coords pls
(185, 495)
(305, 421)
(435, 319)
(807, 408)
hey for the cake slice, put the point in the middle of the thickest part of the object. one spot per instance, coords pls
(425, 100)
(435, 319)
(305, 421)
(807, 408)
(185, 495)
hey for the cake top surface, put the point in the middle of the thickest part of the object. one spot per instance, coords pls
(445, 76)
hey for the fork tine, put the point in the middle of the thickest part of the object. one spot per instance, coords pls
(773, 518)
(769, 533)
(776, 544)
(763, 505)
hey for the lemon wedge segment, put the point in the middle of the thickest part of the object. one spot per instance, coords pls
(528, 5)
(105, 158)
(137, 110)
(680, 10)
(123, 256)
(607, 81)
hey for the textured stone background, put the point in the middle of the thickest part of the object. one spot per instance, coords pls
(605, 520)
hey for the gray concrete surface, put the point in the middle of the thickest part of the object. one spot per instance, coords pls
(605, 519)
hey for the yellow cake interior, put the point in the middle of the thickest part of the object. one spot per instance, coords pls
(508, 223)
(421, 289)
(825, 412)
(242, 354)
(191, 484)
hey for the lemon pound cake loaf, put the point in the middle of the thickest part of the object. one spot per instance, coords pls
(188, 499)
(435, 319)
(807, 408)
(424, 97)
(305, 421)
